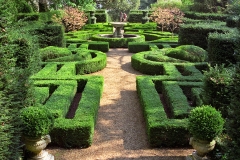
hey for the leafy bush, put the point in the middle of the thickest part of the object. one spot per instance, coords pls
(216, 87)
(205, 123)
(36, 121)
(73, 19)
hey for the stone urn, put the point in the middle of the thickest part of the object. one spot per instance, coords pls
(145, 18)
(93, 19)
(201, 147)
(36, 147)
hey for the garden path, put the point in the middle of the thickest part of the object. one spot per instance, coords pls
(120, 132)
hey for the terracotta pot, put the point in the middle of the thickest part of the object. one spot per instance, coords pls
(36, 147)
(201, 147)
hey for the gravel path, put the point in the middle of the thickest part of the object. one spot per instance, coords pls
(120, 131)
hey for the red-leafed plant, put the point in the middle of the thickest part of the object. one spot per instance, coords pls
(167, 18)
(73, 19)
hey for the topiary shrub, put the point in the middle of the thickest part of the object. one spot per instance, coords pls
(36, 121)
(205, 123)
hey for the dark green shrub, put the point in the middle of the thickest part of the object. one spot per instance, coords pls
(216, 88)
(28, 16)
(100, 46)
(206, 16)
(233, 123)
(52, 52)
(201, 31)
(232, 21)
(36, 121)
(50, 35)
(221, 47)
(205, 123)
(24, 7)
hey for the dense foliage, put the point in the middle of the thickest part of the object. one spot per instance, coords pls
(36, 121)
(73, 19)
(233, 123)
(216, 88)
(205, 123)
(168, 18)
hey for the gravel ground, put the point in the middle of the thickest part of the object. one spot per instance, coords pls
(120, 131)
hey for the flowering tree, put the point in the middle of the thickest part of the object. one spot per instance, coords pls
(167, 18)
(72, 19)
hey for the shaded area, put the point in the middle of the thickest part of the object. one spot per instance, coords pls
(74, 106)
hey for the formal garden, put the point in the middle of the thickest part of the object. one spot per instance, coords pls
(187, 50)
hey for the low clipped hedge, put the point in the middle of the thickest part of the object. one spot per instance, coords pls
(153, 63)
(98, 45)
(78, 131)
(65, 69)
(135, 47)
(161, 130)
(133, 27)
(118, 42)
(52, 52)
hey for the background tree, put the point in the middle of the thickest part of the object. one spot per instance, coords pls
(115, 7)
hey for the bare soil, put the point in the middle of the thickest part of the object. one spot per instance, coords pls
(120, 132)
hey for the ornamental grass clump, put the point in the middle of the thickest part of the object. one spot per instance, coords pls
(205, 123)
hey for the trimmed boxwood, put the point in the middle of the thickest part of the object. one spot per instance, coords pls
(147, 64)
(118, 42)
(52, 52)
(36, 121)
(98, 45)
(52, 69)
(205, 123)
(78, 131)
(197, 34)
(221, 47)
(161, 131)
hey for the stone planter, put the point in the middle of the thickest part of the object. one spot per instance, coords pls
(93, 19)
(201, 147)
(36, 148)
(145, 18)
